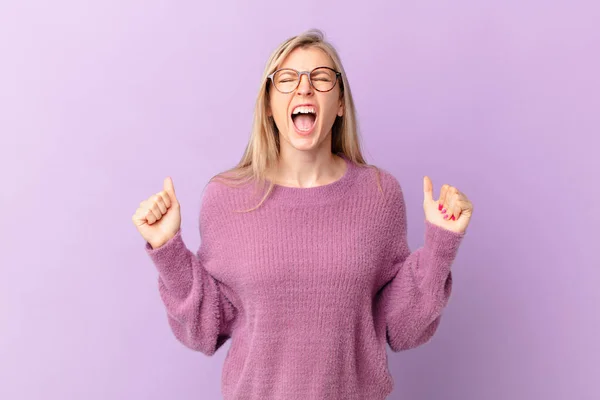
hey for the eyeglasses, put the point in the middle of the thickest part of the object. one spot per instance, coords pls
(322, 79)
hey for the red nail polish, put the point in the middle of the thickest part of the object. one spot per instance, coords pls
(453, 218)
(446, 216)
(440, 207)
(444, 211)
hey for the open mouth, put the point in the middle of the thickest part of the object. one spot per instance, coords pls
(304, 118)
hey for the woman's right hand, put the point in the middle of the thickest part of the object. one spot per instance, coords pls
(158, 218)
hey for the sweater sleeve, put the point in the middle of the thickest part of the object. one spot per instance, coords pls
(415, 297)
(199, 313)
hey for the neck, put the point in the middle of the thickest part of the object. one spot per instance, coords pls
(304, 169)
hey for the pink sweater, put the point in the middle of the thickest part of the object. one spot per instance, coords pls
(309, 287)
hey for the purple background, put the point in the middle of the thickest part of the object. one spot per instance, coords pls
(99, 101)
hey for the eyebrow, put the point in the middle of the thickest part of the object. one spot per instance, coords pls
(318, 66)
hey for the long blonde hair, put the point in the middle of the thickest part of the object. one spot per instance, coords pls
(262, 150)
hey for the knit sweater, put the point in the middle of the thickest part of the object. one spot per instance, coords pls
(309, 287)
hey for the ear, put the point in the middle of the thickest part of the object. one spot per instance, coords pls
(340, 112)
(269, 112)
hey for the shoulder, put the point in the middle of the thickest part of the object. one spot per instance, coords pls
(219, 197)
(215, 195)
(383, 194)
(395, 210)
(385, 182)
(385, 202)
(389, 182)
(394, 196)
(219, 190)
(214, 200)
(212, 192)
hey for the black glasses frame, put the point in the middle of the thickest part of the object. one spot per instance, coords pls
(307, 73)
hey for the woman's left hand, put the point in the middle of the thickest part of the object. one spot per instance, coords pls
(451, 211)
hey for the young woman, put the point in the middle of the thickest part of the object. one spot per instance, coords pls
(304, 261)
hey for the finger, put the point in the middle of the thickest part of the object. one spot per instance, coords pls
(449, 206)
(160, 203)
(462, 196)
(150, 217)
(450, 199)
(458, 208)
(466, 205)
(154, 210)
(170, 189)
(427, 189)
(142, 213)
(442, 199)
(165, 197)
(138, 217)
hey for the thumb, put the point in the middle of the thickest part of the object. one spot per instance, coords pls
(427, 188)
(169, 188)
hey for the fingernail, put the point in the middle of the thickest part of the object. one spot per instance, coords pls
(444, 211)
(446, 216)
(453, 218)
(440, 207)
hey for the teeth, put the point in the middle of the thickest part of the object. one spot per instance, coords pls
(304, 110)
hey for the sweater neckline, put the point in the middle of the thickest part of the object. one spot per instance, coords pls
(322, 194)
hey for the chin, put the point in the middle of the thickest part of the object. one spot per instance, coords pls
(308, 142)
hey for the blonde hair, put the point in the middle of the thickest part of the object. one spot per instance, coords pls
(262, 150)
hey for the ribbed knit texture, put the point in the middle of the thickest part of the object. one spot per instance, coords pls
(309, 287)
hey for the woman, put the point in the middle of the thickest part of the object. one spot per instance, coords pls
(304, 261)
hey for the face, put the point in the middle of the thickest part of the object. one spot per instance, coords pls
(306, 132)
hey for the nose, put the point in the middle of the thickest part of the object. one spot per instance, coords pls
(304, 87)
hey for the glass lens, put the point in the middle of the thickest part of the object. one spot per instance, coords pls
(323, 79)
(286, 80)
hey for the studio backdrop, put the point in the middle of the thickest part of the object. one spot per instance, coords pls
(101, 100)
